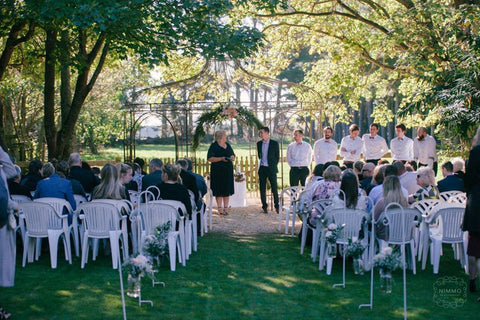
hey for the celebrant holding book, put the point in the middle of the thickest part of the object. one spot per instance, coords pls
(269, 154)
(221, 156)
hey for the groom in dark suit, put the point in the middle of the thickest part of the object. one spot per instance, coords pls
(269, 154)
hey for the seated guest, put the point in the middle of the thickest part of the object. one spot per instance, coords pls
(96, 172)
(137, 176)
(15, 187)
(392, 192)
(34, 175)
(451, 182)
(459, 167)
(408, 180)
(85, 177)
(357, 167)
(188, 179)
(376, 192)
(353, 195)
(377, 178)
(315, 176)
(201, 184)
(124, 172)
(155, 175)
(428, 188)
(367, 174)
(172, 189)
(86, 166)
(110, 187)
(141, 164)
(413, 164)
(325, 190)
(409, 168)
(62, 170)
(383, 161)
(54, 187)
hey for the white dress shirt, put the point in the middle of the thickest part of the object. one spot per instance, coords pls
(374, 147)
(299, 154)
(402, 149)
(325, 151)
(408, 180)
(425, 151)
(351, 145)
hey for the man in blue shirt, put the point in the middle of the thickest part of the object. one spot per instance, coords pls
(52, 186)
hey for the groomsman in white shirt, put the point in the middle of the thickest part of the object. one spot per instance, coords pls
(299, 158)
(425, 150)
(374, 146)
(325, 149)
(351, 147)
(401, 147)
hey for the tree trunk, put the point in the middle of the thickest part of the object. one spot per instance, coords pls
(49, 93)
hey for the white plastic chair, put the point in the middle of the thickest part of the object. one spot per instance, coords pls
(43, 221)
(60, 205)
(321, 206)
(191, 227)
(180, 207)
(448, 194)
(398, 220)
(209, 210)
(133, 196)
(425, 207)
(20, 198)
(155, 191)
(450, 231)
(79, 199)
(153, 214)
(288, 198)
(458, 198)
(353, 221)
(103, 221)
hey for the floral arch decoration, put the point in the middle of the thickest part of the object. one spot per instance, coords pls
(220, 113)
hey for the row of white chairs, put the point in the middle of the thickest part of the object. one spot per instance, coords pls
(428, 228)
(102, 219)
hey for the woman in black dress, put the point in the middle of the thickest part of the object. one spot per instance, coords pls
(221, 156)
(471, 220)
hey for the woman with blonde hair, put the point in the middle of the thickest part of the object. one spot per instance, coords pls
(325, 189)
(471, 220)
(392, 192)
(110, 187)
(428, 185)
(221, 157)
(125, 175)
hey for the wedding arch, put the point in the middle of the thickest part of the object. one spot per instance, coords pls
(220, 113)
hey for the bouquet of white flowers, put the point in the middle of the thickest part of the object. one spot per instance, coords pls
(333, 232)
(354, 249)
(387, 260)
(156, 245)
(139, 265)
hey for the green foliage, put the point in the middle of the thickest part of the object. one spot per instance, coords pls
(219, 114)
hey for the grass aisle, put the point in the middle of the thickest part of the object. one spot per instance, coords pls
(230, 277)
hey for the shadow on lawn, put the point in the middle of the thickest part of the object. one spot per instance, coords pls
(230, 277)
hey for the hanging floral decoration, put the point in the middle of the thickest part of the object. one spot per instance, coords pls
(219, 114)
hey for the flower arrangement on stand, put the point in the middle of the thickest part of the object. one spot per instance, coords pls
(156, 245)
(387, 260)
(355, 250)
(239, 176)
(332, 233)
(136, 268)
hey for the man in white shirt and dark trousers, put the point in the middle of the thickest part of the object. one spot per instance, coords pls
(374, 146)
(401, 147)
(325, 149)
(425, 150)
(299, 158)
(269, 154)
(351, 147)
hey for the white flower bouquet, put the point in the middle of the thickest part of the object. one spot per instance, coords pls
(333, 232)
(387, 260)
(354, 249)
(138, 266)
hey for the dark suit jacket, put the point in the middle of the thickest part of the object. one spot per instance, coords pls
(55, 187)
(152, 179)
(18, 189)
(273, 154)
(189, 181)
(451, 183)
(85, 177)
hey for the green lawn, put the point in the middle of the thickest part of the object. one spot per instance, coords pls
(230, 277)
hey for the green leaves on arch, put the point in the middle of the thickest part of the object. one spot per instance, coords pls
(220, 113)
